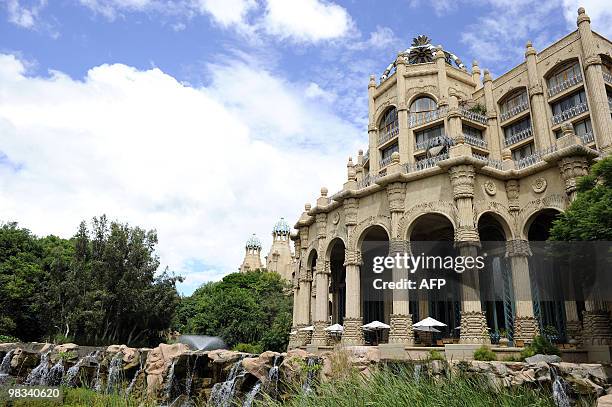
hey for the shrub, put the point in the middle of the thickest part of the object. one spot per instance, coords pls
(435, 355)
(8, 339)
(540, 345)
(484, 354)
(248, 348)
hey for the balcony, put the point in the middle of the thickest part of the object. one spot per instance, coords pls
(534, 158)
(388, 133)
(489, 161)
(514, 111)
(434, 141)
(384, 162)
(477, 117)
(475, 141)
(566, 84)
(569, 113)
(520, 136)
(426, 163)
(417, 119)
(366, 181)
(607, 77)
(587, 137)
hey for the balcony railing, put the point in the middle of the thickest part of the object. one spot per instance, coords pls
(434, 141)
(587, 137)
(384, 162)
(477, 117)
(569, 113)
(533, 158)
(516, 137)
(416, 119)
(607, 77)
(489, 161)
(475, 141)
(426, 163)
(366, 181)
(387, 134)
(566, 84)
(514, 111)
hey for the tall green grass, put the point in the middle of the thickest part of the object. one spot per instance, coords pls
(85, 398)
(390, 387)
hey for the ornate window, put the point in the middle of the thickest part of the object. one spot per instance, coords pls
(385, 155)
(423, 104)
(389, 127)
(523, 152)
(563, 78)
(518, 131)
(567, 103)
(473, 136)
(423, 137)
(514, 105)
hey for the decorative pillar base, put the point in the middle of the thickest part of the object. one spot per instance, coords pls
(525, 329)
(474, 328)
(352, 335)
(573, 331)
(319, 336)
(302, 337)
(401, 329)
(597, 329)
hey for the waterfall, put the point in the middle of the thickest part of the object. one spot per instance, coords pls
(190, 373)
(54, 375)
(560, 389)
(417, 372)
(169, 381)
(128, 390)
(113, 380)
(97, 384)
(39, 373)
(73, 372)
(222, 393)
(274, 373)
(248, 400)
(310, 374)
(5, 366)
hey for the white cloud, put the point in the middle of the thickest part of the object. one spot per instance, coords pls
(206, 167)
(24, 16)
(228, 12)
(306, 20)
(599, 11)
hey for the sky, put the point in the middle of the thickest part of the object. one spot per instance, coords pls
(208, 120)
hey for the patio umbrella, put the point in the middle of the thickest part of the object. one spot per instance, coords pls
(307, 328)
(335, 328)
(376, 325)
(426, 329)
(429, 321)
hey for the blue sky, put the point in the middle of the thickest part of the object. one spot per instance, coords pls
(210, 119)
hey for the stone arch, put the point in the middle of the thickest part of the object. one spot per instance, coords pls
(329, 244)
(380, 110)
(529, 221)
(355, 239)
(510, 93)
(557, 202)
(421, 93)
(559, 65)
(501, 214)
(407, 221)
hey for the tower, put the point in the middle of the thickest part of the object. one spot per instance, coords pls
(252, 255)
(280, 258)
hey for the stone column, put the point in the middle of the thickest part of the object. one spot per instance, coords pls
(319, 336)
(539, 119)
(476, 74)
(440, 59)
(303, 313)
(372, 128)
(455, 130)
(525, 324)
(494, 136)
(595, 85)
(473, 321)
(352, 334)
(405, 146)
(400, 318)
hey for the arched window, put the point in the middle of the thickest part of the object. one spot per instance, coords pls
(389, 126)
(423, 104)
(514, 105)
(563, 77)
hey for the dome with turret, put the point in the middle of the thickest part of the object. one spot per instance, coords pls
(281, 227)
(253, 242)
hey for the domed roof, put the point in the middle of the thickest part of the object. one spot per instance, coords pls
(421, 51)
(281, 227)
(253, 242)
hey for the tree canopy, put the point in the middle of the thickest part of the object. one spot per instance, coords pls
(100, 287)
(589, 217)
(243, 308)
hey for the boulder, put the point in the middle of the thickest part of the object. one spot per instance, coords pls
(158, 360)
(605, 401)
(260, 366)
(542, 358)
(66, 347)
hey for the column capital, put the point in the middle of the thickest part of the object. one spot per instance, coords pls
(397, 246)
(352, 258)
(321, 220)
(572, 168)
(350, 211)
(518, 248)
(592, 60)
(396, 192)
(462, 180)
(536, 89)
(512, 192)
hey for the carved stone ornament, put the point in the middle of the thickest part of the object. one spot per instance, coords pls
(336, 218)
(490, 188)
(539, 185)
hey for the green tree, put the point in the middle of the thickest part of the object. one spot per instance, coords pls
(589, 217)
(249, 308)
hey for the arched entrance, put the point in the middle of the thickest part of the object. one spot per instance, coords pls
(312, 269)
(496, 290)
(376, 304)
(549, 313)
(337, 303)
(433, 235)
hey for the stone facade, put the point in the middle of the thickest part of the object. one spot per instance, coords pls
(456, 155)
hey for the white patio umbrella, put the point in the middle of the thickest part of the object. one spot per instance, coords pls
(428, 322)
(335, 328)
(376, 325)
(426, 329)
(307, 328)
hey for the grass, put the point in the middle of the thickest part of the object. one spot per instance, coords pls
(396, 386)
(85, 398)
